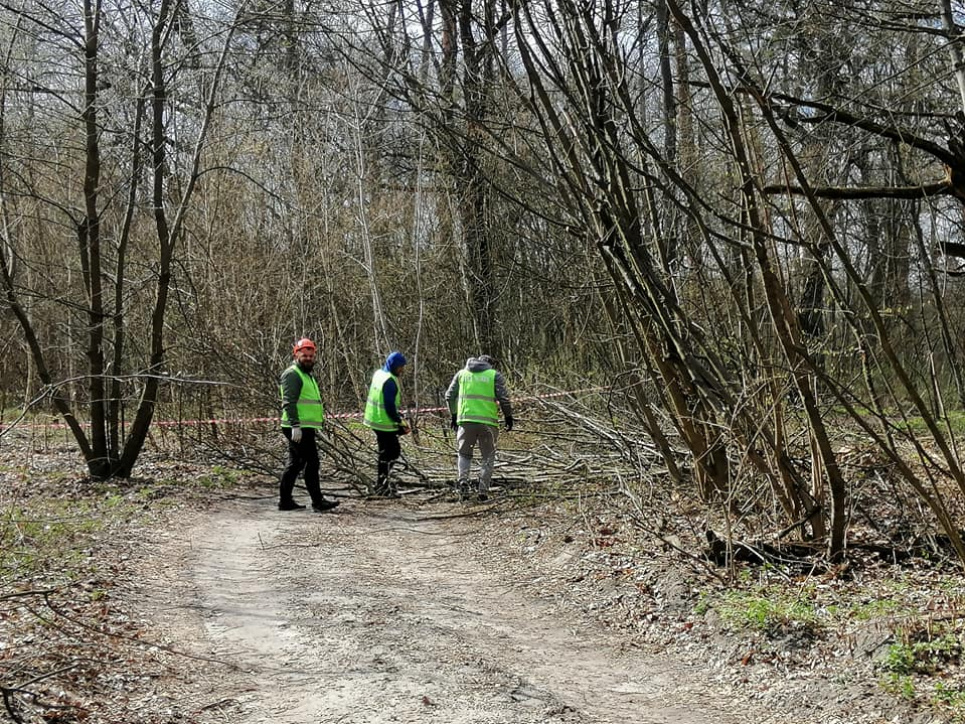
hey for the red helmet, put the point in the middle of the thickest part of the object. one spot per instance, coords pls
(303, 343)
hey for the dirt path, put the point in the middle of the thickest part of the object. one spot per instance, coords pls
(384, 612)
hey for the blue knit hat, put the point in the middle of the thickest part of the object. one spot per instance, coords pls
(394, 361)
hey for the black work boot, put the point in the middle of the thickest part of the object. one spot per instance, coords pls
(290, 505)
(379, 487)
(324, 506)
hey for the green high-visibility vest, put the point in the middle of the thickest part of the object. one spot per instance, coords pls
(311, 411)
(375, 414)
(477, 398)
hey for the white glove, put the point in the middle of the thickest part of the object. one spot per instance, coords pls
(296, 434)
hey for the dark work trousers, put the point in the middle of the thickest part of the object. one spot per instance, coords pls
(303, 455)
(389, 451)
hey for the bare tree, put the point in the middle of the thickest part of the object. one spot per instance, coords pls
(89, 37)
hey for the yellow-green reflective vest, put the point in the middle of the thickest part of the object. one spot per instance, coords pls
(477, 398)
(375, 415)
(311, 411)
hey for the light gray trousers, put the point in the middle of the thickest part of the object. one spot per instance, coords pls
(469, 436)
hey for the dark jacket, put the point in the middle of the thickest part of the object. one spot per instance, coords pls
(389, 391)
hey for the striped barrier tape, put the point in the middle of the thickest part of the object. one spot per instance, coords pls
(334, 416)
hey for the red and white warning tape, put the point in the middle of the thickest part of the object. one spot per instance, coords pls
(336, 416)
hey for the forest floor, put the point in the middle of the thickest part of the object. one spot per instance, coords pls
(194, 600)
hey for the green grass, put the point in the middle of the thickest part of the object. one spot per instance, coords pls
(899, 685)
(955, 420)
(922, 663)
(923, 657)
(915, 423)
(868, 610)
(219, 478)
(51, 538)
(769, 611)
(950, 698)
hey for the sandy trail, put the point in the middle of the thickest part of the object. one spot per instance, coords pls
(390, 612)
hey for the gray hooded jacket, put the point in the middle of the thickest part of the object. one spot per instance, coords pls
(474, 364)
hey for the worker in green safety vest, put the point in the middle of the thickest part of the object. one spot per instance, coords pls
(302, 418)
(475, 396)
(383, 415)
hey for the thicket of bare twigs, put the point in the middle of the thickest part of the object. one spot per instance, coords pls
(741, 225)
(743, 229)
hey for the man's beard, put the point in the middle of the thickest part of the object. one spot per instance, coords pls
(307, 366)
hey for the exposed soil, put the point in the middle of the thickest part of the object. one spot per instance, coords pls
(394, 611)
(206, 604)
